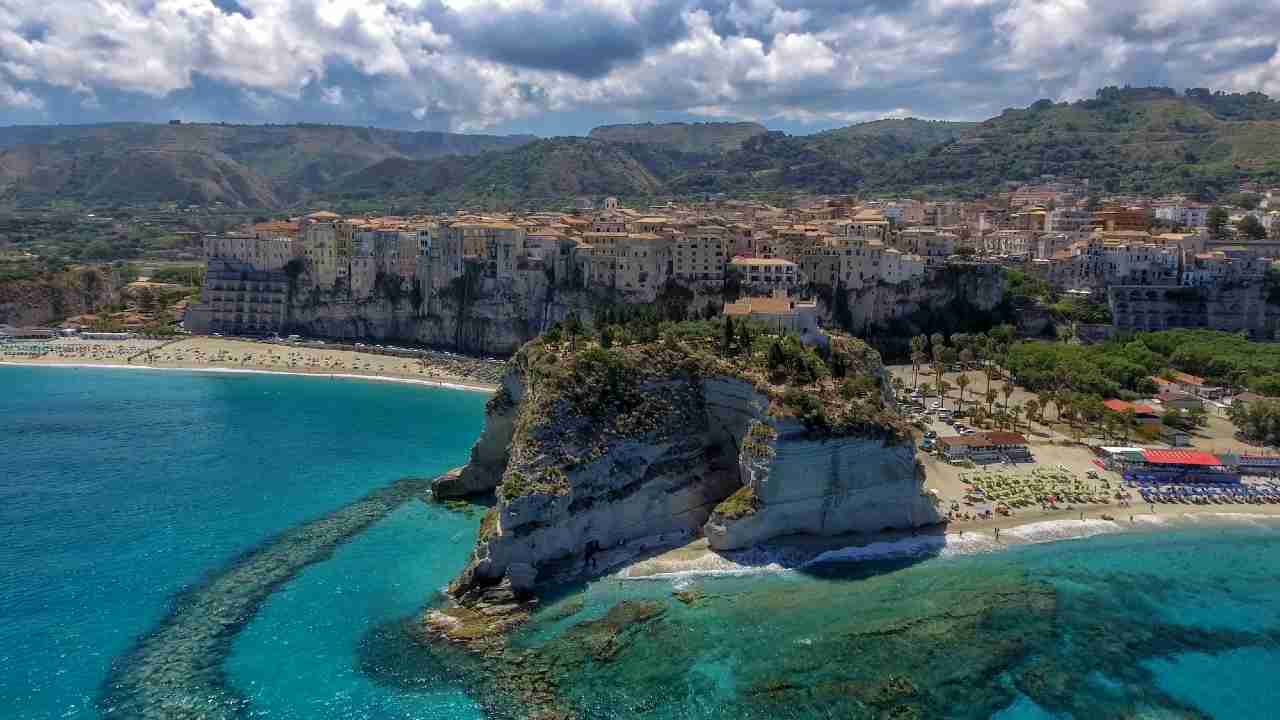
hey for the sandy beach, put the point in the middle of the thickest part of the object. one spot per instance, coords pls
(228, 355)
(795, 553)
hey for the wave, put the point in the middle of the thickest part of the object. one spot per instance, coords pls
(778, 559)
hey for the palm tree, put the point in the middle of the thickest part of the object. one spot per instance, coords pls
(1015, 413)
(1033, 411)
(962, 382)
(944, 387)
(918, 358)
(938, 370)
(1007, 391)
(991, 400)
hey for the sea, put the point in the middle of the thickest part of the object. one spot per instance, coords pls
(288, 512)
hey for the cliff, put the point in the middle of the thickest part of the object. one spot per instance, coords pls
(51, 297)
(947, 289)
(598, 455)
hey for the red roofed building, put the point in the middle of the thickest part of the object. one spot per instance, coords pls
(1145, 414)
(1190, 458)
(986, 447)
(1181, 466)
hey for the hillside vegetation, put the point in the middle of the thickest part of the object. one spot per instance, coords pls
(240, 165)
(685, 137)
(1139, 140)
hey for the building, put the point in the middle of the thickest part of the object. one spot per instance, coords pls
(778, 312)
(1122, 218)
(1144, 414)
(1181, 466)
(701, 255)
(983, 448)
(263, 252)
(239, 299)
(766, 273)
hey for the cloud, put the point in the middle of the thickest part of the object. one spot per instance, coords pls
(562, 65)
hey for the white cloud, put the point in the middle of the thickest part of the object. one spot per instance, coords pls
(481, 63)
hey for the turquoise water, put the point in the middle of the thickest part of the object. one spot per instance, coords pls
(119, 490)
(1181, 623)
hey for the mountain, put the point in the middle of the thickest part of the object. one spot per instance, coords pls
(1140, 140)
(554, 169)
(710, 137)
(241, 165)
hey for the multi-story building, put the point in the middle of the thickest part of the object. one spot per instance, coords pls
(630, 262)
(701, 255)
(1068, 220)
(1118, 217)
(238, 299)
(263, 253)
(766, 273)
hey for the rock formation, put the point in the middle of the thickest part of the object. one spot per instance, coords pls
(598, 456)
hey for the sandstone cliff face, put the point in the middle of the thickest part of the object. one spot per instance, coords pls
(581, 493)
(47, 300)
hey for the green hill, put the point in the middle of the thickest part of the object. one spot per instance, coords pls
(241, 165)
(1142, 140)
(711, 137)
(545, 171)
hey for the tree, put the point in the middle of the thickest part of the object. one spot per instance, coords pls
(962, 382)
(938, 370)
(1032, 406)
(1217, 222)
(944, 387)
(1007, 391)
(726, 347)
(1015, 413)
(991, 396)
(1251, 228)
(573, 328)
(937, 342)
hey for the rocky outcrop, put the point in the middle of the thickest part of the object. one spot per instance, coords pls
(489, 455)
(825, 486)
(595, 476)
(972, 287)
(50, 298)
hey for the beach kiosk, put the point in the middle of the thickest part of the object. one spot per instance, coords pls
(1181, 466)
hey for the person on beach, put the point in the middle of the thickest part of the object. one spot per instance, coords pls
(997, 534)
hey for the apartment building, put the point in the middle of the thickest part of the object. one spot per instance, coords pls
(767, 274)
(700, 256)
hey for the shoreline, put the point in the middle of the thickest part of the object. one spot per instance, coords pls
(797, 553)
(452, 383)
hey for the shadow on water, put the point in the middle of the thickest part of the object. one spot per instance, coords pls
(176, 670)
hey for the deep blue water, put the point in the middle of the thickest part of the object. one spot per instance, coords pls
(119, 489)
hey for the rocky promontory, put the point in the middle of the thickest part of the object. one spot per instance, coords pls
(602, 449)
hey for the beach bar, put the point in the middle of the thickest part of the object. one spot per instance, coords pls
(984, 448)
(1181, 466)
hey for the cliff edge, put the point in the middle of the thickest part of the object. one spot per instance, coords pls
(601, 450)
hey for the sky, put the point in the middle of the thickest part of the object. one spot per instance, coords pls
(560, 67)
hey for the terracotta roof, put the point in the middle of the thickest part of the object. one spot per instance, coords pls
(1187, 379)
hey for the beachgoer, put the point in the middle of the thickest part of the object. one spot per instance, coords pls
(997, 533)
